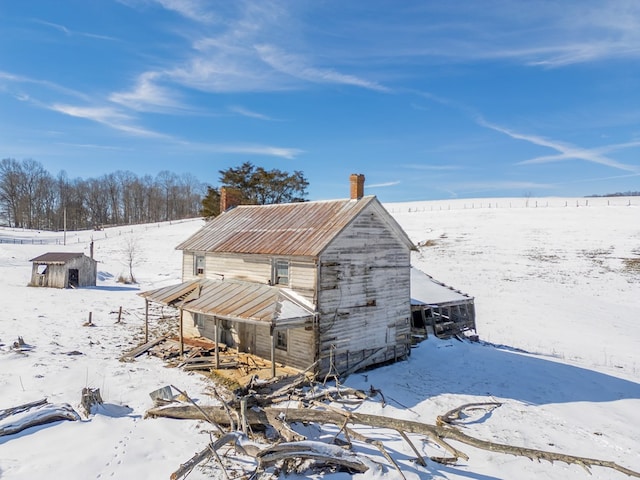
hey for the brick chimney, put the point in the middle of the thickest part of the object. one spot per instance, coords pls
(229, 197)
(357, 186)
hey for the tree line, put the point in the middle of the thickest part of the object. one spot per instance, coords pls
(31, 197)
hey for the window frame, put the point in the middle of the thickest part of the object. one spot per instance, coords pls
(282, 340)
(275, 278)
(196, 257)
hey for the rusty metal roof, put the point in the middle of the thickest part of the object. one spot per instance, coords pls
(235, 300)
(304, 228)
(172, 294)
(56, 257)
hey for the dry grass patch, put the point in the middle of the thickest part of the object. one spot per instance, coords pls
(631, 265)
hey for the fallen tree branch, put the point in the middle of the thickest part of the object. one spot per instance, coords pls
(441, 433)
(453, 415)
(197, 407)
(210, 450)
(38, 415)
(317, 451)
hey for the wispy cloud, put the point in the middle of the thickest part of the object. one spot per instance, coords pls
(297, 66)
(246, 51)
(107, 116)
(196, 10)
(252, 149)
(120, 121)
(70, 32)
(553, 34)
(20, 79)
(245, 112)
(566, 150)
(90, 146)
(147, 95)
(385, 184)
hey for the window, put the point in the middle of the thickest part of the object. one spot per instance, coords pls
(198, 264)
(281, 339)
(281, 272)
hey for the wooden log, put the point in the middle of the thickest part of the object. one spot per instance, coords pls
(39, 415)
(21, 408)
(317, 451)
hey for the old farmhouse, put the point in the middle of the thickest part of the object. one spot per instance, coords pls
(63, 270)
(324, 282)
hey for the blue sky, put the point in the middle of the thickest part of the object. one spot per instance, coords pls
(429, 99)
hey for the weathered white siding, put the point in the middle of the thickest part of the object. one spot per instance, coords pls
(187, 266)
(364, 296)
(254, 268)
(300, 351)
(57, 275)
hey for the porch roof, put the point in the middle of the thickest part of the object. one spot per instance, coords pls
(236, 300)
(426, 290)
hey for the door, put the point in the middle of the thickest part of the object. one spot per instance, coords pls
(73, 278)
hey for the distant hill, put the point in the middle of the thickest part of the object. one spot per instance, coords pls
(618, 194)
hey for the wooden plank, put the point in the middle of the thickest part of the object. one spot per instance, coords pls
(136, 352)
(368, 360)
(189, 358)
(210, 366)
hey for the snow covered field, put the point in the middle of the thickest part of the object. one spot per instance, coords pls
(557, 293)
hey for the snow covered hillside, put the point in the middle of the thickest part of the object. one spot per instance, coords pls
(557, 292)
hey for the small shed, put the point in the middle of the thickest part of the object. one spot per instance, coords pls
(439, 309)
(63, 270)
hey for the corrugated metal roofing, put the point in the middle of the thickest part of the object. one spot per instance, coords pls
(304, 228)
(426, 290)
(56, 257)
(234, 300)
(172, 294)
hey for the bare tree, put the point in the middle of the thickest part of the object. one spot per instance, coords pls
(132, 255)
(31, 197)
(11, 180)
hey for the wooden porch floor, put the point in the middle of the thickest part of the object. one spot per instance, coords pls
(236, 368)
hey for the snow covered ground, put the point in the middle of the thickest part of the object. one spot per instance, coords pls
(558, 309)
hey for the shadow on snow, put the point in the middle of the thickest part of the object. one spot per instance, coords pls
(450, 367)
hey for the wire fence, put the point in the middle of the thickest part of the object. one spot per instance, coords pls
(19, 236)
(461, 204)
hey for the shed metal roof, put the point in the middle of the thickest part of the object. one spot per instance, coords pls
(426, 290)
(296, 229)
(236, 300)
(56, 257)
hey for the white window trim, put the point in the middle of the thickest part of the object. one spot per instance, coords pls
(197, 255)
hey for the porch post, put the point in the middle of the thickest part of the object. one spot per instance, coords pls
(217, 340)
(181, 335)
(273, 352)
(146, 320)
